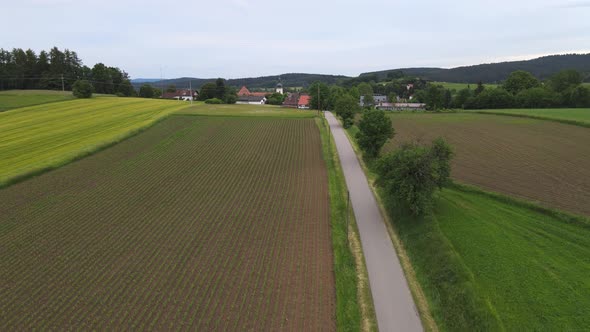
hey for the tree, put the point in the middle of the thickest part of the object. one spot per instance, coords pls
(537, 98)
(374, 130)
(577, 97)
(491, 98)
(436, 97)
(103, 82)
(276, 99)
(220, 88)
(82, 89)
(461, 98)
(411, 175)
(367, 94)
(346, 107)
(171, 88)
(208, 91)
(520, 80)
(480, 88)
(146, 91)
(231, 95)
(564, 80)
(126, 89)
(320, 100)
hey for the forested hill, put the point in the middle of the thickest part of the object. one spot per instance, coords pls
(542, 68)
(288, 80)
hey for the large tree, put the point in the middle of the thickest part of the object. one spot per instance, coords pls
(411, 175)
(564, 80)
(374, 130)
(208, 91)
(520, 80)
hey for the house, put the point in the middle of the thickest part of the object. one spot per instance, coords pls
(377, 99)
(181, 94)
(245, 92)
(303, 102)
(292, 100)
(251, 100)
(385, 106)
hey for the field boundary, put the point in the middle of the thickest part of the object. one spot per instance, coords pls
(354, 303)
(536, 117)
(420, 300)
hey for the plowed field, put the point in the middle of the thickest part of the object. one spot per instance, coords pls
(195, 224)
(538, 160)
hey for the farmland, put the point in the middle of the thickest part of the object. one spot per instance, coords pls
(488, 263)
(542, 161)
(199, 223)
(245, 110)
(20, 98)
(578, 116)
(37, 138)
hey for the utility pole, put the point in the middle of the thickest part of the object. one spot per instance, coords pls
(318, 98)
(63, 87)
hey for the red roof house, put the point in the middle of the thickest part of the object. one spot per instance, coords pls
(303, 102)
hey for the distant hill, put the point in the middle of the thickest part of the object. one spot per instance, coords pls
(144, 80)
(288, 80)
(495, 72)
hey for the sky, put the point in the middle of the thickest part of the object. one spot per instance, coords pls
(250, 38)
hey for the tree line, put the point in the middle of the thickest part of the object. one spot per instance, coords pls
(56, 70)
(520, 90)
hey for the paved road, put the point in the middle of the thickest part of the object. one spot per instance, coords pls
(393, 301)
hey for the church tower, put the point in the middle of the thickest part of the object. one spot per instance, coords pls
(279, 88)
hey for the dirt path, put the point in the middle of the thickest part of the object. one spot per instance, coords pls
(393, 301)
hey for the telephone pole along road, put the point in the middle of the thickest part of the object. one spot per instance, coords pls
(394, 305)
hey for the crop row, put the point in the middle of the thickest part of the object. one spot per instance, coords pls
(197, 223)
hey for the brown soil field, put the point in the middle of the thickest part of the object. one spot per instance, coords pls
(210, 224)
(537, 160)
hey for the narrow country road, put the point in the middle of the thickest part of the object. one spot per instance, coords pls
(394, 305)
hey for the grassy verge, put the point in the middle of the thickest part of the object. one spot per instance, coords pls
(486, 261)
(354, 305)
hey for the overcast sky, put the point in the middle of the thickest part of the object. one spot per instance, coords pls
(245, 38)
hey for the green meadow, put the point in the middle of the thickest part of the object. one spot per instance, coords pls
(487, 262)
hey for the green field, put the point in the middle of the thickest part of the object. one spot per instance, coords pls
(489, 263)
(246, 110)
(461, 86)
(36, 138)
(577, 116)
(20, 98)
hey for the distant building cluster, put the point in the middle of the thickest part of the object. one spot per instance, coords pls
(381, 102)
(181, 94)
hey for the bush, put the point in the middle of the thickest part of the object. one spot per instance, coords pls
(411, 175)
(213, 101)
(374, 131)
(82, 89)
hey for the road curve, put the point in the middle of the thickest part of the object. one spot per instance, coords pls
(394, 305)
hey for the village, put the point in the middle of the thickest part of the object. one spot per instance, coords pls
(298, 100)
